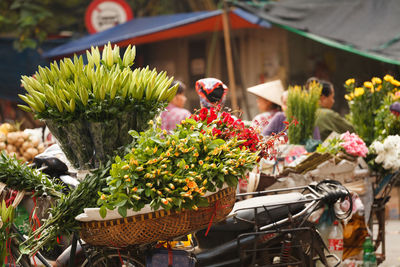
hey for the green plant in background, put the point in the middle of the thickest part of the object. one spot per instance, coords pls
(6, 220)
(387, 123)
(365, 102)
(302, 106)
(90, 108)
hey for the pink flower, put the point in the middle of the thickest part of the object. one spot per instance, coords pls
(353, 145)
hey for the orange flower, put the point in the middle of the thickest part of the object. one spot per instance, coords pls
(176, 154)
(103, 197)
(186, 167)
(126, 176)
(201, 162)
(134, 189)
(192, 184)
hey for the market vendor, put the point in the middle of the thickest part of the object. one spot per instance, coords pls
(212, 92)
(328, 120)
(268, 101)
(175, 111)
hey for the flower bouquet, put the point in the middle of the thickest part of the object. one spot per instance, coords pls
(188, 175)
(348, 144)
(90, 108)
(174, 171)
(386, 153)
(365, 102)
(302, 106)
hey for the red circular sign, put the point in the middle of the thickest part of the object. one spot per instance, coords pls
(104, 14)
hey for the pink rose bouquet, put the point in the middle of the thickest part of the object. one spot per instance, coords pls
(349, 143)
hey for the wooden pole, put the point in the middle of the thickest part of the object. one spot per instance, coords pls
(229, 61)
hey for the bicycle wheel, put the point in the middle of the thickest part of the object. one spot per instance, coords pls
(113, 259)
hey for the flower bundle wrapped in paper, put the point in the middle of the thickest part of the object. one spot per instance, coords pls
(90, 108)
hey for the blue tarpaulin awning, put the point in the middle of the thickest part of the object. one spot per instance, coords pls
(157, 28)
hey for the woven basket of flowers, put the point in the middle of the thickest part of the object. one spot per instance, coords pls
(185, 179)
(158, 225)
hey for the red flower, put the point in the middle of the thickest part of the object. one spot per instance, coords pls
(216, 131)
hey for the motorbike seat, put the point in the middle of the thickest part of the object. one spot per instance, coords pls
(264, 209)
(222, 236)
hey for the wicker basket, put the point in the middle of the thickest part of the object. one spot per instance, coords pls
(158, 225)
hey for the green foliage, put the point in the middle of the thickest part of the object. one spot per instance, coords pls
(19, 176)
(333, 147)
(62, 216)
(174, 171)
(302, 106)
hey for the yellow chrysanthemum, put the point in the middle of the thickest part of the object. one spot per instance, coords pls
(388, 78)
(350, 81)
(395, 82)
(368, 85)
(359, 91)
(376, 80)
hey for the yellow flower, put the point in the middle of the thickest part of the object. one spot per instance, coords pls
(368, 85)
(359, 91)
(155, 149)
(372, 90)
(201, 162)
(103, 197)
(350, 81)
(376, 80)
(395, 82)
(379, 88)
(348, 97)
(388, 78)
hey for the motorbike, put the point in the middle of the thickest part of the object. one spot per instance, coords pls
(265, 228)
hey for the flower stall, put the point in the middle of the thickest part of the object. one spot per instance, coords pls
(183, 180)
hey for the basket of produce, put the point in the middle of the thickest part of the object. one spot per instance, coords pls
(90, 108)
(183, 180)
(158, 225)
(21, 144)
